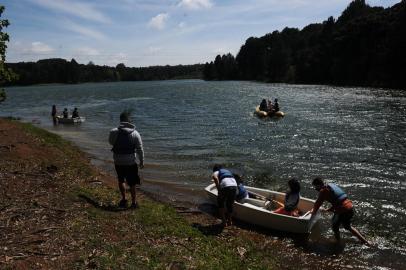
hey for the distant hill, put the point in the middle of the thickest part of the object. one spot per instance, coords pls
(365, 46)
(62, 71)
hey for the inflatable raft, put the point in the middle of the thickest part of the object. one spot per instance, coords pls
(261, 114)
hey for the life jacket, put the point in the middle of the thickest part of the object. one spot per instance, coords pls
(338, 194)
(242, 192)
(223, 173)
(123, 145)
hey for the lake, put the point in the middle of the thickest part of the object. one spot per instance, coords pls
(354, 137)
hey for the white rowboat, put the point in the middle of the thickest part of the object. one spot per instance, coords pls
(254, 211)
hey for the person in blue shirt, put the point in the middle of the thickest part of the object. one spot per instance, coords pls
(242, 193)
(227, 191)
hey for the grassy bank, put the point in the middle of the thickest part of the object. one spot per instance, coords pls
(61, 213)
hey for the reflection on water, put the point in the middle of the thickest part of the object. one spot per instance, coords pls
(353, 136)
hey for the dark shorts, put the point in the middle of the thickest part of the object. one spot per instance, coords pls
(128, 173)
(227, 196)
(344, 219)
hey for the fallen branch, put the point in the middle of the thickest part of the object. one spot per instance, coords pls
(45, 229)
(19, 256)
(51, 208)
(41, 253)
(4, 207)
(188, 211)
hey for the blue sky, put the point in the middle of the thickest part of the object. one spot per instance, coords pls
(152, 32)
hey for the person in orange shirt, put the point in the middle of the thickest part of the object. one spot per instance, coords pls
(341, 206)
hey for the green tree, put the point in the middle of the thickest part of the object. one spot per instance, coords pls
(6, 75)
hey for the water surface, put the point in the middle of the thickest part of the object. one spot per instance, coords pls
(352, 136)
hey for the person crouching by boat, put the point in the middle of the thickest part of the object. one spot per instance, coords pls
(242, 193)
(227, 190)
(75, 113)
(65, 113)
(54, 113)
(292, 198)
(263, 106)
(341, 206)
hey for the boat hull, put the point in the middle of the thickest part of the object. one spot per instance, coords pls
(254, 211)
(261, 114)
(77, 120)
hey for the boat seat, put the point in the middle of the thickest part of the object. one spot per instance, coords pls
(256, 202)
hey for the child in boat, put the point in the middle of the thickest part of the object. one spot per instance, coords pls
(242, 193)
(292, 198)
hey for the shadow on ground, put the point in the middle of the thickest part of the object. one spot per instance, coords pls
(214, 229)
(107, 207)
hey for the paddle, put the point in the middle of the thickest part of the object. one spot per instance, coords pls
(265, 198)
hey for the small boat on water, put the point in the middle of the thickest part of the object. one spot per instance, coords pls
(256, 211)
(261, 114)
(70, 120)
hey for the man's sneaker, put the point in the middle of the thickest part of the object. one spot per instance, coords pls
(122, 203)
(134, 205)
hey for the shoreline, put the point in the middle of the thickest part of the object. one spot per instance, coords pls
(53, 199)
(62, 213)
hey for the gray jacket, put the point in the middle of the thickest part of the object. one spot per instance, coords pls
(127, 159)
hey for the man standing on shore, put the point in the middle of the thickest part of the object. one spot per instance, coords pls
(127, 144)
(341, 206)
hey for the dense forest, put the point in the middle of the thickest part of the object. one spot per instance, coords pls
(365, 46)
(62, 71)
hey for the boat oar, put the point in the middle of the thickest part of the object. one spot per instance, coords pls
(265, 198)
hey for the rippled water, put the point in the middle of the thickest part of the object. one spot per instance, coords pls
(352, 136)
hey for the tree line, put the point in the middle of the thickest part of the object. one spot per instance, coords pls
(58, 70)
(364, 46)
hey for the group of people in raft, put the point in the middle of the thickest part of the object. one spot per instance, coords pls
(230, 188)
(268, 106)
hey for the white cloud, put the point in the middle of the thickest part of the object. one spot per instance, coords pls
(38, 47)
(117, 58)
(159, 21)
(153, 50)
(195, 4)
(78, 9)
(87, 51)
(182, 25)
(23, 51)
(83, 30)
